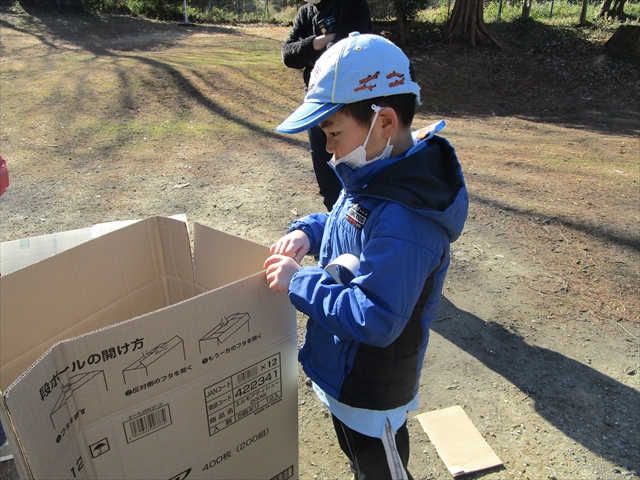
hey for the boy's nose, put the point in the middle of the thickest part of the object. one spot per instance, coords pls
(329, 146)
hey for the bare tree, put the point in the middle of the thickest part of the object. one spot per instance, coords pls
(613, 11)
(467, 23)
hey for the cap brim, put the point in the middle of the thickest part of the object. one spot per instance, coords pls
(308, 115)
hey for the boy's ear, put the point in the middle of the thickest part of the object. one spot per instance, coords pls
(389, 121)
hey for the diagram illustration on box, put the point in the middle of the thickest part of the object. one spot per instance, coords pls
(227, 327)
(75, 382)
(155, 358)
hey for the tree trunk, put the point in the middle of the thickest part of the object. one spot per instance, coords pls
(618, 9)
(625, 40)
(467, 23)
(583, 13)
(526, 9)
(605, 8)
(401, 19)
(615, 11)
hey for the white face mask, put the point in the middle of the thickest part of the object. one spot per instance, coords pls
(357, 158)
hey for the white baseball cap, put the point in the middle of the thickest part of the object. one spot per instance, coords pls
(354, 69)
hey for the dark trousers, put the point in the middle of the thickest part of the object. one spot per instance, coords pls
(368, 456)
(328, 182)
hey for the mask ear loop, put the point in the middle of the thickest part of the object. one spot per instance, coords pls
(376, 109)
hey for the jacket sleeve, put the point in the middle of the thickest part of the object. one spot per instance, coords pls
(351, 16)
(297, 50)
(313, 225)
(377, 304)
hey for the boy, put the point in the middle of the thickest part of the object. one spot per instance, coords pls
(402, 204)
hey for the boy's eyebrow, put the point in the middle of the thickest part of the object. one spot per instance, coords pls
(325, 123)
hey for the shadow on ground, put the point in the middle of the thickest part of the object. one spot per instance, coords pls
(544, 73)
(116, 36)
(579, 401)
(8, 471)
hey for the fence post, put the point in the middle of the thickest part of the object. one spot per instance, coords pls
(551, 11)
(499, 11)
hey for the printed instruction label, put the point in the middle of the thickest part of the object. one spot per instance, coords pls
(247, 392)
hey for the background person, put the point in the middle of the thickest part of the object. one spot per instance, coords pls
(318, 25)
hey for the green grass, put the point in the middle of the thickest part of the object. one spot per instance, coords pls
(561, 13)
(207, 85)
(556, 13)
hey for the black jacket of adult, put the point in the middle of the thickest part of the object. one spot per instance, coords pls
(345, 16)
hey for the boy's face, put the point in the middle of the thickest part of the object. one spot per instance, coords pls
(344, 135)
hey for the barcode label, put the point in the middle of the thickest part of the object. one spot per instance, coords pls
(286, 474)
(247, 374)
(147, 423)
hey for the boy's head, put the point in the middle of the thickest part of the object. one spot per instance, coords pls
(354, 74)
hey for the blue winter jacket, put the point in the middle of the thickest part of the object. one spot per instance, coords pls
(365, 342)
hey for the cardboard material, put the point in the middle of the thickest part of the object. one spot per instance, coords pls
(457, 441)
(123, 358)
(17, 254)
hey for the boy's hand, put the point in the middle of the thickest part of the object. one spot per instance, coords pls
(280, 270)
(295, 245)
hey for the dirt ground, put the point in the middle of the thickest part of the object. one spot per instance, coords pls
(538, 335)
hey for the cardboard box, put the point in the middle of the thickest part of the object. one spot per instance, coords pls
(124, 358)
(16, 254)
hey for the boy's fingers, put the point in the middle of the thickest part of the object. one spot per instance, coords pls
(284, 248)
(274, 282)
(291, 250)
(280, 248)
(272, 260)
(276, 248)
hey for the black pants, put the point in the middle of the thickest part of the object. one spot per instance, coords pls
(368, 456)
(326, 177)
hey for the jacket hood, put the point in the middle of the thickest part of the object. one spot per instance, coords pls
(427, 179)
